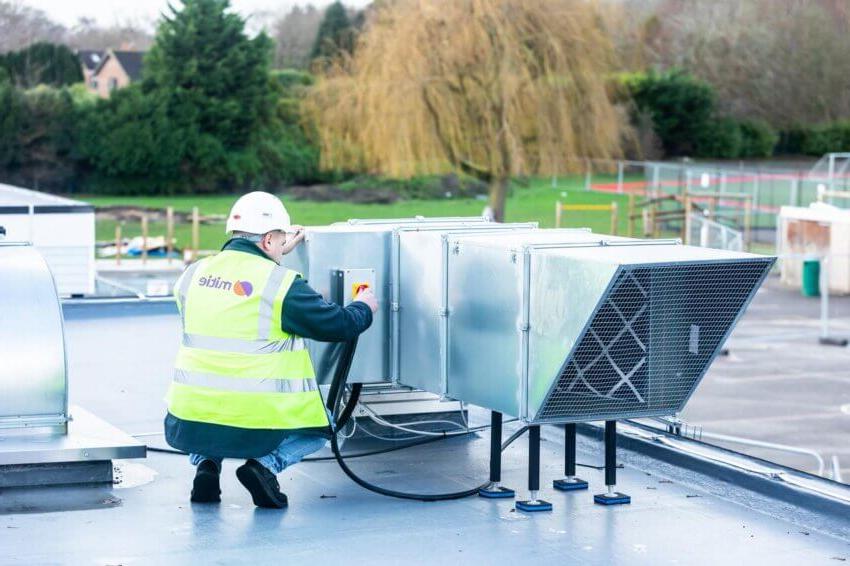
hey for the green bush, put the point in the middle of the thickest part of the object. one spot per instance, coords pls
(681, 108)
(758, 139)
(684, 117)
(720, 139)
(829, 138)
(791, 141)
(424, 187)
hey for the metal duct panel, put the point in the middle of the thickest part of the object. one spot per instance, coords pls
(651, 339)
(421, 271)
(33, 376)
(359, 245)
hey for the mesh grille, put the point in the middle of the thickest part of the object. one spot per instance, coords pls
(651, 340)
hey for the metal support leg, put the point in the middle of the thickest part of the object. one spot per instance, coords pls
(611, 497)
(533, 503)
(571, 482)
(494, 490)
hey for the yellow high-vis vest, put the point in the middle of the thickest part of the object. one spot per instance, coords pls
(236, 366)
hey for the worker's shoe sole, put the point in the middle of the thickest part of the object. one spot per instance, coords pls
(206, 487)
(262, 484)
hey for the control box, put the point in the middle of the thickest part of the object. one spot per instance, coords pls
(347, 283)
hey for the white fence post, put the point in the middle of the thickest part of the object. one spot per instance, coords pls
(620, 177)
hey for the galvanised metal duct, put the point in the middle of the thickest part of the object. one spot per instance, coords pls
(547, 325)
(39, 441)
(586, 327)
(337, 258)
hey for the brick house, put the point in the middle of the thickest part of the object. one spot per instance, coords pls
(89, 61)
(105, 71)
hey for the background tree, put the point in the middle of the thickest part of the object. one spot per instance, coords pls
(335, 34)
(42, 64)
(36, 137)
(496, 88)
(681, 108)
(22, 26)
(126, 35)
(778, 60)
(214, 81)
(294, 36)
(11, 114)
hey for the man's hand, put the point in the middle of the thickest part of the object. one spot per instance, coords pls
(293, 239)
(368, 297)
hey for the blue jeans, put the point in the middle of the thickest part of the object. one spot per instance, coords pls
(291, 451)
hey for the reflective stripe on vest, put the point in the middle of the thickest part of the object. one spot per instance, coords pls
(291, 344)
(245, 385)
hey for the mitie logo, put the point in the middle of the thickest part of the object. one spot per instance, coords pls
(241, 288)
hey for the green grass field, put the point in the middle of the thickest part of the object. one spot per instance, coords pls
(533, 202)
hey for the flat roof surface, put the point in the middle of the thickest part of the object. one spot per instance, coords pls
(779, 384)
(120, 368)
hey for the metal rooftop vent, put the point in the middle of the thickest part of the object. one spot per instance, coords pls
(585, 327)
(651, 340)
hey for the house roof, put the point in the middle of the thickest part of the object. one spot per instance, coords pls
(91, 58)
(130, 61)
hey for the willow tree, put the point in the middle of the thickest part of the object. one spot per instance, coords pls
(493, 88)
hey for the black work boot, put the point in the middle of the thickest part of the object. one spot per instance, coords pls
(265, 491)
(205, 488)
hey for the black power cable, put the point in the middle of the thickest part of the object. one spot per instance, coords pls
(337, 388)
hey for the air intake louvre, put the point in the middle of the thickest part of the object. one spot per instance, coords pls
(651, 339)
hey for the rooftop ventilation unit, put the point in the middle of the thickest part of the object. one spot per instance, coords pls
(551, 326)
(586, 328)
(547, 325)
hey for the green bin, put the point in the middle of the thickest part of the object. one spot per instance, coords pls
(811, 278)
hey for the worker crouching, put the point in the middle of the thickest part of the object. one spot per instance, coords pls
(243, 384)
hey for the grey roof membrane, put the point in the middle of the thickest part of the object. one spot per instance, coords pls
(120, 364)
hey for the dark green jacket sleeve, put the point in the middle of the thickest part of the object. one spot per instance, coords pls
(307, 314)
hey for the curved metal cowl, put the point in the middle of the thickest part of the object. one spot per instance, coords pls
(33, 372)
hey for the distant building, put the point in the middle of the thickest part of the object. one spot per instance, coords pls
(105, 71)
(90, 61)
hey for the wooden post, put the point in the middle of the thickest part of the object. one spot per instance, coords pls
(653, 220)
(558, 214)
(686, 220)
(614, 219)
(631, 219)
(748, 212)
(118, 244)
(647, 227)
(144, 238)
(196, 232)
(169, 232)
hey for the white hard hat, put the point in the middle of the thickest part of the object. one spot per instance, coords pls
(257, 213)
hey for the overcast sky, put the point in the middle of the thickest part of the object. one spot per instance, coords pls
(107, 12)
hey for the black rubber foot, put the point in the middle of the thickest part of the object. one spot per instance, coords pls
(615, 498)
(497, 493)
(533, 506)
(833, 341)
(568, 484)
